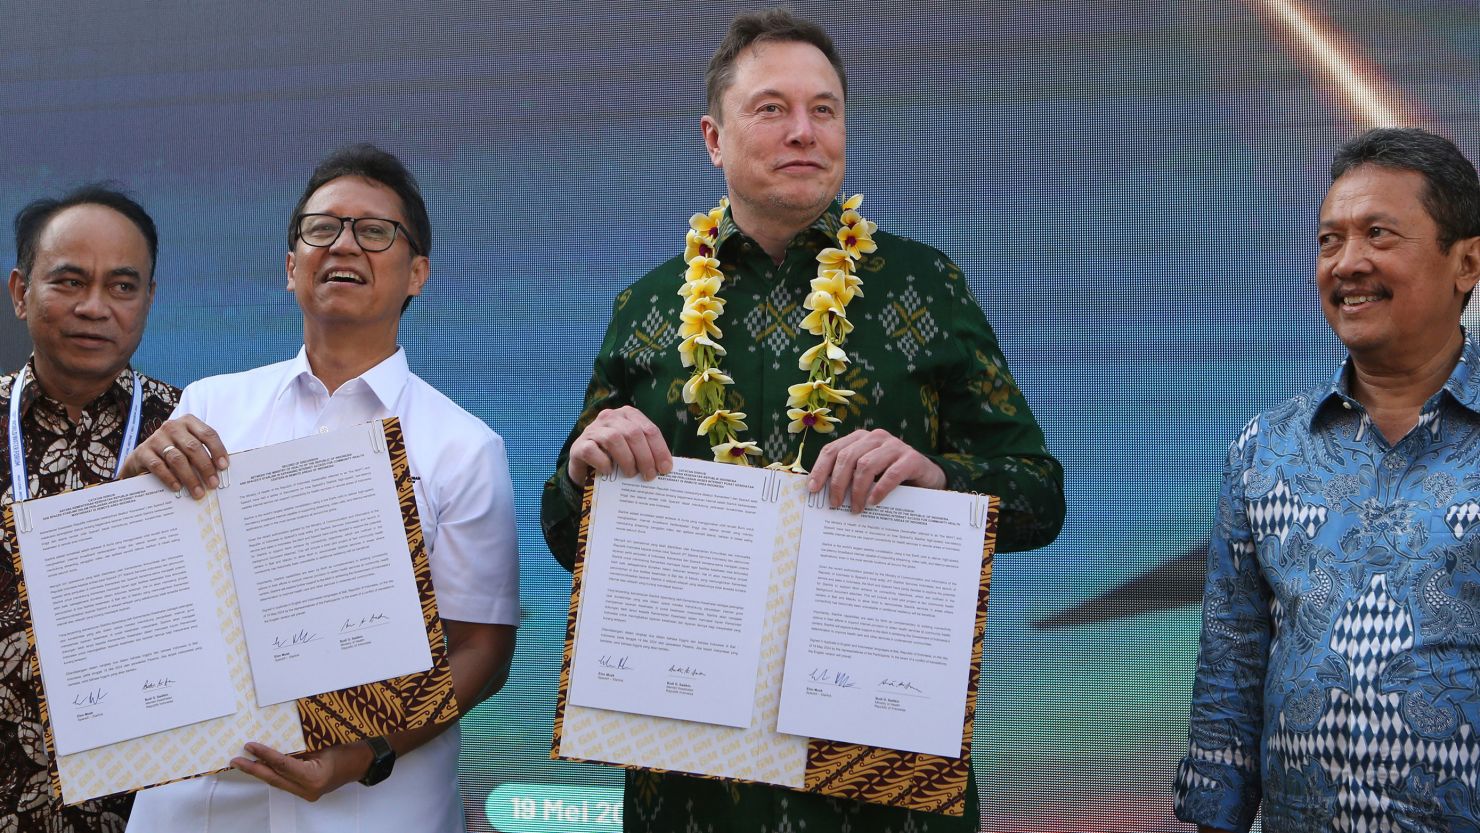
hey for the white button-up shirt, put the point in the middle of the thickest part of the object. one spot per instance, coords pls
(466, 502)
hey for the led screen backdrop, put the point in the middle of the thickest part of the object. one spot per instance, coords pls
(1130, 188)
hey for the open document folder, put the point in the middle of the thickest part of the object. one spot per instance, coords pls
(293, 606)
(725, 623)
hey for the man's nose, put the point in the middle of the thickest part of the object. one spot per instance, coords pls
(800, 130)
(1352, 259)
(93, 303)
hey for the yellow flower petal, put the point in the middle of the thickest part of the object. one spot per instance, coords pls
(702, 268)
(816, 419)
(734, 419)
(734, 452)
(853, 203)
(832, 258)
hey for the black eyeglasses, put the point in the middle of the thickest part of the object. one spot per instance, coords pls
(374, 234)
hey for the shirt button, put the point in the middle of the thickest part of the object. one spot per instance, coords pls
(1345, 404)
(323, 429)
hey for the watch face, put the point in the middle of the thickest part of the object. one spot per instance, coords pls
(383, 763)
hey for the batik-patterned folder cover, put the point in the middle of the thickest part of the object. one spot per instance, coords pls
(312, 723)
(759, 754)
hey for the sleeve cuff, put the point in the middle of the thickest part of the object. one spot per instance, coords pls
(1216, 795)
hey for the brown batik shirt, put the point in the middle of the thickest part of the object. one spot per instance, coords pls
(60, 455)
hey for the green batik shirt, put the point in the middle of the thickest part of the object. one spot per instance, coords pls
(925, 366)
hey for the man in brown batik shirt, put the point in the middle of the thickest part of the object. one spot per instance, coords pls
(83, 282)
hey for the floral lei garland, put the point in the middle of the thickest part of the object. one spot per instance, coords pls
(809, 403)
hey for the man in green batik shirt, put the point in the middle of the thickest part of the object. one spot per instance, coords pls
(934, 404)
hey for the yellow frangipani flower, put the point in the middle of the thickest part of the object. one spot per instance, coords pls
(704, 286)
(816, 322)
(734, 451)
(708, 380)
(706, 224)
(839, 284)
(698, 323)
(687, 347)
(703, 268)
(799, 394)
(853, 203)
(855, 240)
(837, 360)
(704, 303)
(734, 419)
(697, 245)
(816, 419)
(825, 308)
(832, 258)
(850, 218)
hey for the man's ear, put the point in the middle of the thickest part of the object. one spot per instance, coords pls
(421, 269)
(1467, 252)
(711, 127)
(290, 271)
(18, 293)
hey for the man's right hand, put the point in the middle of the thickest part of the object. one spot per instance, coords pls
(622, 438)
(184, 452)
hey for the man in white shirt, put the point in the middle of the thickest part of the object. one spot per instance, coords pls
(358, 245)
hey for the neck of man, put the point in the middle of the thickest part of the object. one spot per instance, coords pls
(339, 354)
(773, 230)
(1394, 391)
(74, 394)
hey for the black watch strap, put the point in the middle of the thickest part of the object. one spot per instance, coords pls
(384, 762)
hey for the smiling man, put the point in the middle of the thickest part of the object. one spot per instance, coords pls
(921, 395)
(358, 246)
(83, 283)
(1339, 677)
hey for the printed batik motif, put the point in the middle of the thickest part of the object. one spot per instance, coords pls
(1341, 622)
(61, 454)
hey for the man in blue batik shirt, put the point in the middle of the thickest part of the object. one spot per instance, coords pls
(1339, 675)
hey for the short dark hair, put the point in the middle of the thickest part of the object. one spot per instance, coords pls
(32, 220)
(370, 162)
(1451, 193)
(767, 26)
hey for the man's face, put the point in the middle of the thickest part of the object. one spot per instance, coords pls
(1387, 289)
(88, 296)
(342, 283)
(782, 139)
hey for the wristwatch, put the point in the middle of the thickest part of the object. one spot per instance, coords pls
(384, 762)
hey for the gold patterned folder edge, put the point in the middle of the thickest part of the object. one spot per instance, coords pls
(911, 780)
(394, 705)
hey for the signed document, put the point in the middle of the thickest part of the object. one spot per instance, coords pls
(847, 649)
(323, 572)
(292, 606)
(675, 592)
(881, 623)
(129, 640)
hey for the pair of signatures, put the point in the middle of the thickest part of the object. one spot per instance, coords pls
(842, 679)
(351, 624)
(623, 663)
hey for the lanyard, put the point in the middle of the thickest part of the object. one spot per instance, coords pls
(20, 488)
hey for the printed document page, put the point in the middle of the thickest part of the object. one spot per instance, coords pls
(323, 571)
(123, 612)
(674, 593)
(879, 650)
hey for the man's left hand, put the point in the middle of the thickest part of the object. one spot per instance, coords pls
(865, 466)
(310, 776)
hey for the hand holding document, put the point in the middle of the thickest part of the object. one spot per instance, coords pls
(829, 629)
(170, 630)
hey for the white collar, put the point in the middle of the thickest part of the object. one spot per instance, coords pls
(385, 380)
